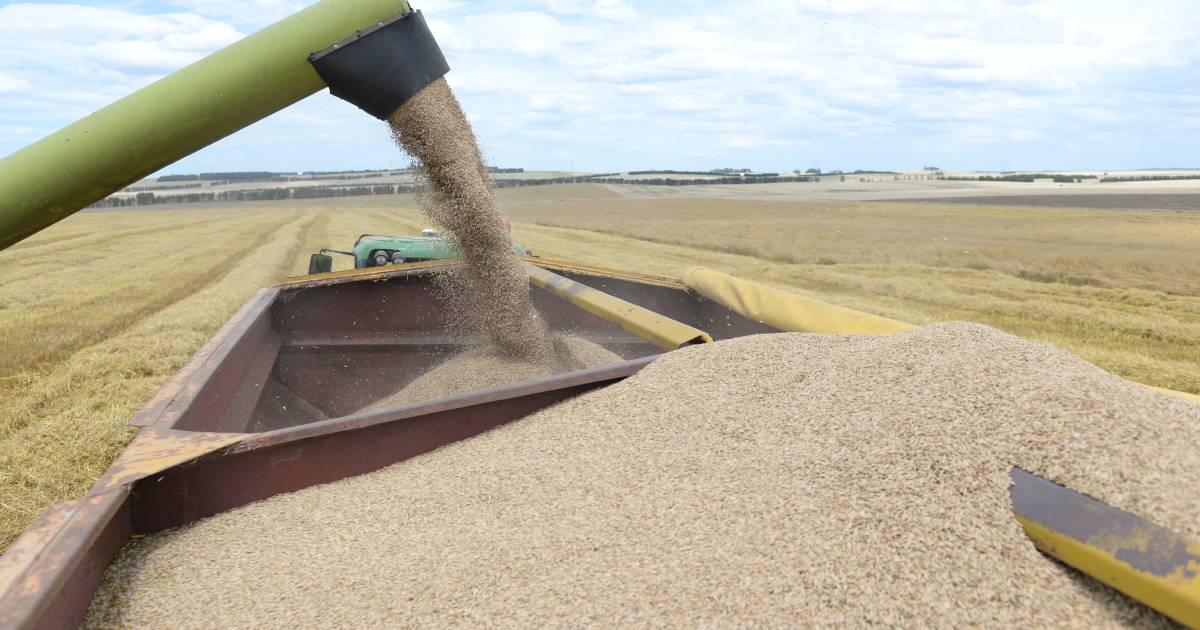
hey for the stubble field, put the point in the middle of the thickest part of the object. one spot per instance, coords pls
(97, 312)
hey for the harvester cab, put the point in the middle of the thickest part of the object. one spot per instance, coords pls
(379, 251)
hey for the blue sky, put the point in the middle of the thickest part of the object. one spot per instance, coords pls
(617, 84)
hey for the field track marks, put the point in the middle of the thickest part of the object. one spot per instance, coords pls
(75, 308)
(76, 252)
(313, 239)
(1118, 329)
(75, 417)
(94, 233)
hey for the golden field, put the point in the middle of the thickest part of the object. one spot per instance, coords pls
(98, 311)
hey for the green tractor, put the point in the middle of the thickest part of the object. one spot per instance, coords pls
(377, 251)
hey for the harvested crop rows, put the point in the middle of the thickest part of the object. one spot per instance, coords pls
(1118, 288)
(89, 337)
(84, 345)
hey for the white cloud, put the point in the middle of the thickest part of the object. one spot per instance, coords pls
(12, 84)
(80, 38)
(605, 9)
(257, 13)
(60, 62)
(777, 81)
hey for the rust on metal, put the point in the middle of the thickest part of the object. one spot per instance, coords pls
(296, 457)
(1147, 562)
(365, 274)
(269, 404)
(53, 569)
(174, 398)
(600, 375)
(156, 449)
(383, 273)
(25, 550)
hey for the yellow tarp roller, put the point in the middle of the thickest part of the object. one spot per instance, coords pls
(784, 310)
(789, 311)
(662, 331)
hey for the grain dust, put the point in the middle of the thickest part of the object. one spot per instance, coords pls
(484, 366)
(771, 480)
(431, 126)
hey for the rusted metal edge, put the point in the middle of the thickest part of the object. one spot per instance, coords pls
(364, 274)
(320, 339)
(390, 271)
(1147, 562)
(48, 576)
(291, 459)
(597, 375)
(156, 449)
(196, 372)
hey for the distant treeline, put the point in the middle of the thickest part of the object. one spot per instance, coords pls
(338, 177)
(381, 171)
(174, 187)
(1025, 177)
(255, 194)
(236, 176)
(321, 192)
(211, 179)
(241, 177)
(1148, 178)
(656, 181)
(721, 171)
(667, 172)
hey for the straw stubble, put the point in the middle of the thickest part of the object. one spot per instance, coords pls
(767, 480)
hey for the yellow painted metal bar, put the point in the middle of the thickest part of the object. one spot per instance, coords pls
(784, 310)
(1145, 561)
(792, 312)
(1170, 392)
(604, 272)
(659, 330)
(1174, 596)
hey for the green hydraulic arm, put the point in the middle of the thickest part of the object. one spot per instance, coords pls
(175, 116)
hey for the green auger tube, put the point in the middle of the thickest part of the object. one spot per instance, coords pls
(174, 117)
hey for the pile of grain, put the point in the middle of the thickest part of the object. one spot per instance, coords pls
(432, 127)
(484, 367)
(773, 480)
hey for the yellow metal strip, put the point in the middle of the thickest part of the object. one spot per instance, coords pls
(659, 330)
(604, 272)
(1147, 562)
(1170, 392)
(1174, 596)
